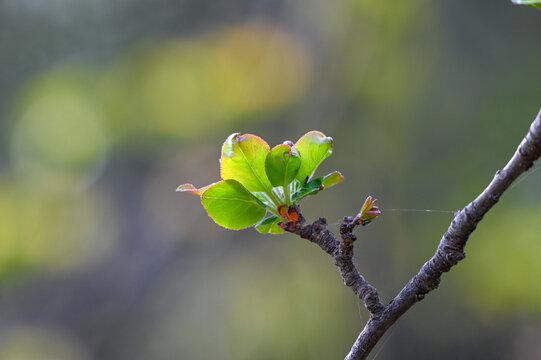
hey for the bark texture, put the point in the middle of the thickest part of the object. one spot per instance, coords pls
(449, 252)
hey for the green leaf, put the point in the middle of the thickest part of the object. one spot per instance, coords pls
(314, 147)
(332, 179)
(310, 188)
(270, 225)
(316, 185)
(243, 160)
(282, 165)
(230, 205)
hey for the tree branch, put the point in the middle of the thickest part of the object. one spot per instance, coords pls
(449, 252)
(342, 253)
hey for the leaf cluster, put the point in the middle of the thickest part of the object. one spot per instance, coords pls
(260, 184)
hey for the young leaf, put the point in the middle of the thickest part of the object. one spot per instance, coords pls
(230, 205)
(369, 211)
(282, 165)
(270, 225)
(311, 187)
(316, 185)
(191, 189)
(314, 147)
(243, 160)
(332, 179)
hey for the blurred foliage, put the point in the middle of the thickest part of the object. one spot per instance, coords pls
(41, 230)
(500, 276)
(30, 343)
(59, 132)
(383, 31)
(189, 88)
(266, 292)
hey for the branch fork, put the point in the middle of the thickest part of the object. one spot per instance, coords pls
(342, 253)
(448, 253)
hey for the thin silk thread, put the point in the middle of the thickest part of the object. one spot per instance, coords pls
(421, 210)
(407, 210)
(361, 317)
(385, 341)
(526, 175)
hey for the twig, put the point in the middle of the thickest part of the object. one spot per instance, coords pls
(342, 253)
(449, 252)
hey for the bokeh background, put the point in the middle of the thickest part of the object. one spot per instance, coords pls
(107, 106)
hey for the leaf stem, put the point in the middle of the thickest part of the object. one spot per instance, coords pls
(287, 194)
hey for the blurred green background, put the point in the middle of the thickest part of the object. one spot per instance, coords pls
(107, 106)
